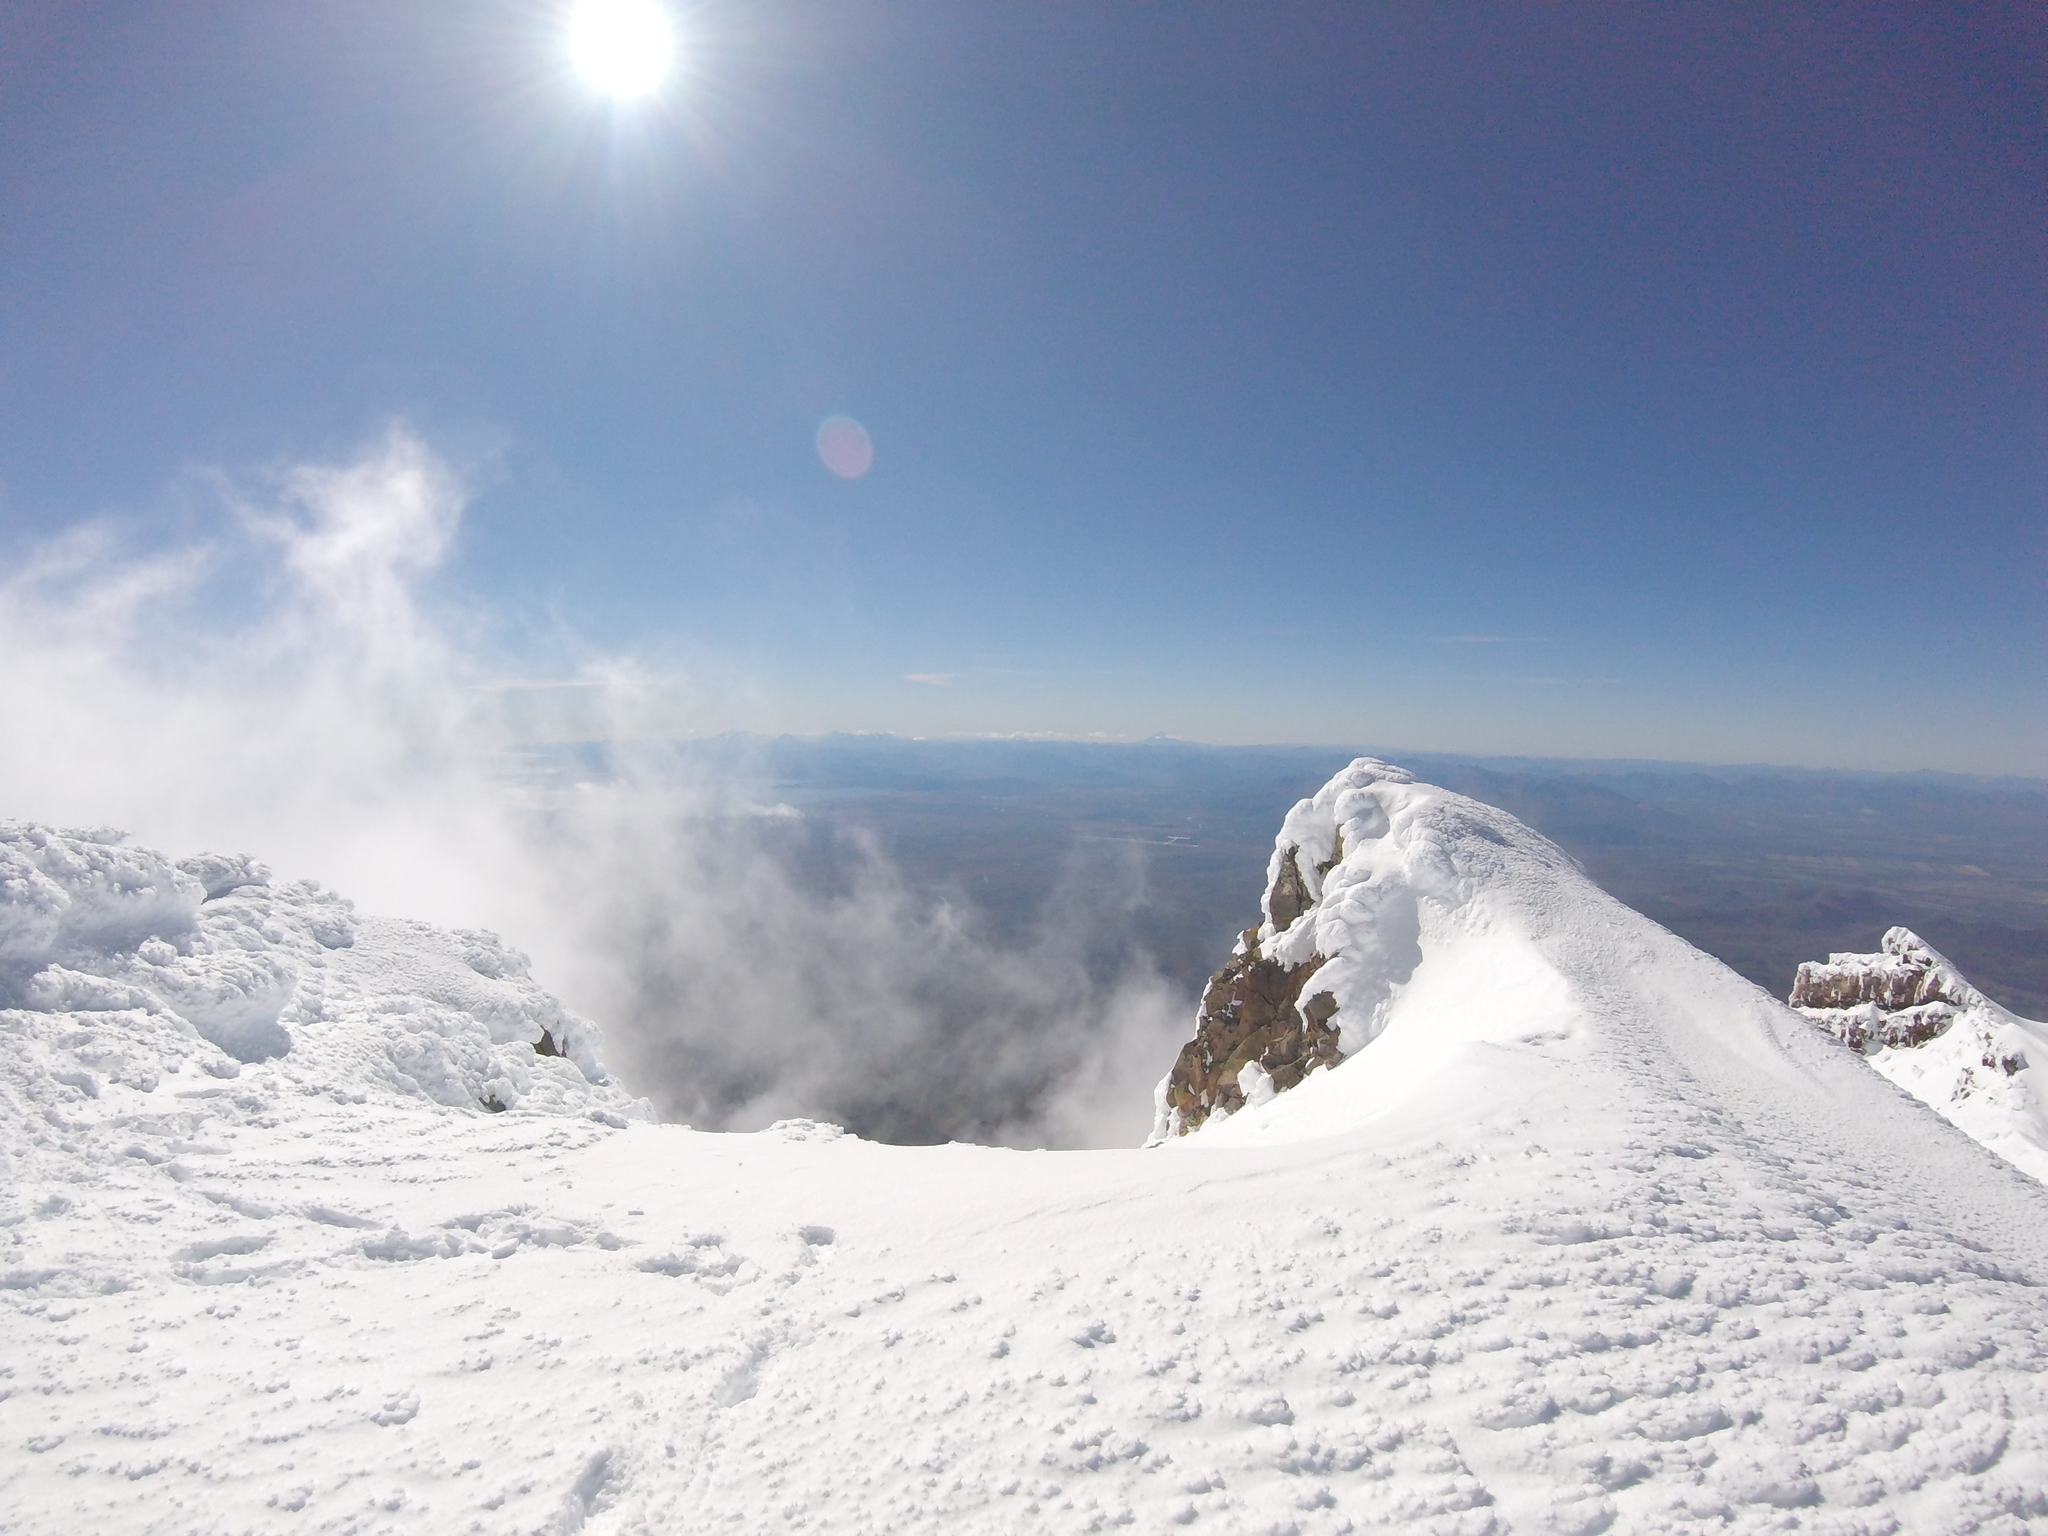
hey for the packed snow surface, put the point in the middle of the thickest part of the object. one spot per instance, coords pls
(1584, 1234)
(1928, 1030)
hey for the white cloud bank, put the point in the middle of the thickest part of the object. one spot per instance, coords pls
(292, 686)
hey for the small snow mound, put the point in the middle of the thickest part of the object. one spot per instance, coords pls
(806, 1130)
(1923, 1026)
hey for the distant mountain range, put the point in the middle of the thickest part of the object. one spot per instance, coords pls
(1762, 867)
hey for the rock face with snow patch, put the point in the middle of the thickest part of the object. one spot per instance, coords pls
(1904, 995)
(1353, 868)
(1909, 1010)
(1261, 1027)
(1255, 1036)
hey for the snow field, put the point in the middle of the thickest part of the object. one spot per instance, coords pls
(1586, 1234)
(1542, 1316)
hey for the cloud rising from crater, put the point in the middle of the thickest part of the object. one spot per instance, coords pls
(297, 682)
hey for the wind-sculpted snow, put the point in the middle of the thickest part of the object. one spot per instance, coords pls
(117, 966)
(1909, 1010)
(1392, 901)
(1585, 1234)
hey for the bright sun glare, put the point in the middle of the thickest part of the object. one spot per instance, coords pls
(622, 47)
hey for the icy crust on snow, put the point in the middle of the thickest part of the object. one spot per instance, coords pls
(1911, 1013)
(120, 969)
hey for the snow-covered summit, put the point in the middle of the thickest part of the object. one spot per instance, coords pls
(1909, 1010)
(122, 971)
(1406, 928)
(1411, 934)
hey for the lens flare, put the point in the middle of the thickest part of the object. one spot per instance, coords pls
(845, 447)
(623, 47)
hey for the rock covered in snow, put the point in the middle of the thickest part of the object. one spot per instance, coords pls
(1909, 1010)
(1353, 868)
(1904, 995)
(120, 968)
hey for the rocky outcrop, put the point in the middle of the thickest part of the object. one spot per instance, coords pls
(1909, 1011)
(1901, 997)
(1265, 1022)
(1361, 873)
(1255, 1034)
(1289, 895)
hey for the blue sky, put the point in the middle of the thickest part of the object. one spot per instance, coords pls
(1653, 380)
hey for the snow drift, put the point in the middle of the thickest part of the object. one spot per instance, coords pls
(1571, 1231)
(1911, 1013)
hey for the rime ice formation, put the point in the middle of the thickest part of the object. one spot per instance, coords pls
(119, 967)
(1582, 1234)
(1909, 1010)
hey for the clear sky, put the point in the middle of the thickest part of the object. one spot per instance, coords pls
(1662, 379)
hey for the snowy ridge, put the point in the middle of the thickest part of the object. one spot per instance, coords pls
(1449, 933)
(1584, 1234)
(1911, 1013)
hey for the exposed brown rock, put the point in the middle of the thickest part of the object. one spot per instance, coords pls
(1902, 981)
(1870, 1031)
(1289, 897)
(1252, 1011)
(1902, 996)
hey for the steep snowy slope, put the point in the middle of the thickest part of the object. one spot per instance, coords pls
(1927, 1029)
(1582, 1234)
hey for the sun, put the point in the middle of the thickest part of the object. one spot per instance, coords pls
(622, 47)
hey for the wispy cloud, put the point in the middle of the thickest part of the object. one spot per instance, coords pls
(537, 684)
(1491, 640)
(930, 679)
